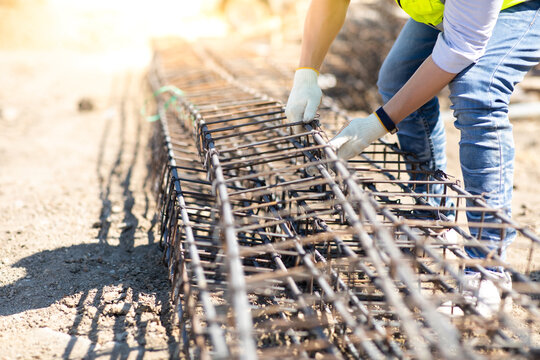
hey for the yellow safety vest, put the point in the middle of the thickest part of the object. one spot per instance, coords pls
(430, 12)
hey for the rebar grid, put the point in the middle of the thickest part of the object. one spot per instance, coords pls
(308, 257)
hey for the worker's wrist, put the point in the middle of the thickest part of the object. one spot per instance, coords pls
(385, 120)
(308, 68)
(305, 77)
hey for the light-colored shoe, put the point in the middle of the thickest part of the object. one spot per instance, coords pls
(482, 293)
(449, 236)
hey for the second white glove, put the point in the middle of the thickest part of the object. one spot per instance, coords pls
(357, 136)
(305, 96)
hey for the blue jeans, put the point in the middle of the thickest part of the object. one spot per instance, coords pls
(480, 95)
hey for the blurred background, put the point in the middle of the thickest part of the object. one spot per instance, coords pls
(110, 25)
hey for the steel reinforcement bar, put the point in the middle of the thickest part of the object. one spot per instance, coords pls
(277, 248)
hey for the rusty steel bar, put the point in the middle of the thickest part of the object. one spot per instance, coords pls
(216, 333)
(329, 259)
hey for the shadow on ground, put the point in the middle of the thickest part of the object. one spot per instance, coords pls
(110, 297)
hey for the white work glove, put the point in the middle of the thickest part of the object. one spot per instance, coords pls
(304, 98)
(357, 135)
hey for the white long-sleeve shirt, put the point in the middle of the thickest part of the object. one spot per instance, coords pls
(468, 25)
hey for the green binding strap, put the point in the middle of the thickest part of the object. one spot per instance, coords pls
(176, 93)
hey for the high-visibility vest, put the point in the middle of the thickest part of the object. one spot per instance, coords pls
(430, 12)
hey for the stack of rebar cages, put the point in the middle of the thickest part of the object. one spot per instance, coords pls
(276, 248)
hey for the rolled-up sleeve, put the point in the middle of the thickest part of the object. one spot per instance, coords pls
(468, 25)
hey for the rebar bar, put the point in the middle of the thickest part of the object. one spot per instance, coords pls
(277, 248)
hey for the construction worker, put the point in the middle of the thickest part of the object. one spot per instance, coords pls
(481, 49)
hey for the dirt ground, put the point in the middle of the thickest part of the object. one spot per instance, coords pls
(80, 265)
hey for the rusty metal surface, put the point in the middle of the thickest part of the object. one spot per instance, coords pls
(278, 249)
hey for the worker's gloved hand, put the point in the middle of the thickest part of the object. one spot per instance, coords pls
(357, 135)
(304, 98)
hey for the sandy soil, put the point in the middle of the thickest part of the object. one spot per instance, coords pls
(80, 266)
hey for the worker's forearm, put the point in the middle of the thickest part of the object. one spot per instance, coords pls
(323, 22)
(426, 82)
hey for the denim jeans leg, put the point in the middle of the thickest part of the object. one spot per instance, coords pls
(480, 95)
(421, 133)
